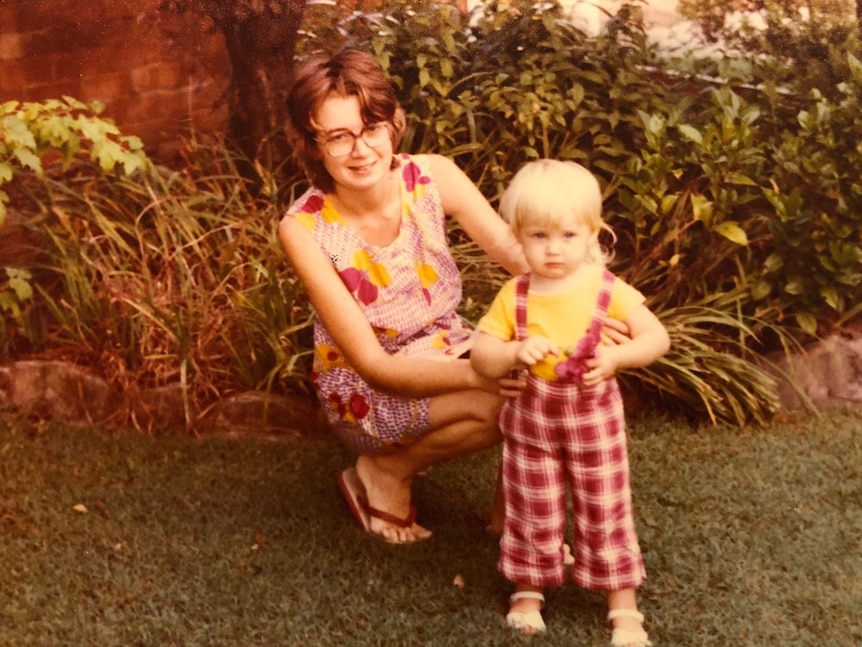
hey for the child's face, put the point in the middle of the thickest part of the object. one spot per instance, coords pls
(556, 251)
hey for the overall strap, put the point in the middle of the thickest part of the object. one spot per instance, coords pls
(522, 288)
(602, 303)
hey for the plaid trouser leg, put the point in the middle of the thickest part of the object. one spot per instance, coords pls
(531, 548)
(606, 550)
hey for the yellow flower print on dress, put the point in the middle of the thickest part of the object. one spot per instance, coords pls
(330, 214)
(307, 219)
(365, 277)
(441, 341)
(427, 277)
(313, 205)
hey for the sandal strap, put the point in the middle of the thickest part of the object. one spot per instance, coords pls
(625, 613)
(530, 620)
(526, 595)
(627, 637)
(405, 522)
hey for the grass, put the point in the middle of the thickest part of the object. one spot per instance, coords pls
(751, 537)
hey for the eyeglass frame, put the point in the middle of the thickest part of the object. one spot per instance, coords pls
(339, 132)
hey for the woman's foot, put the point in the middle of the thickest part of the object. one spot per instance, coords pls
(628, 628)
(388, 504)
(525, 610)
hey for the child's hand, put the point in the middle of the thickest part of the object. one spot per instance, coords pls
(602, 366)
(534, 349)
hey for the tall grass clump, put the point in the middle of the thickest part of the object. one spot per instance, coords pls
(164, 276)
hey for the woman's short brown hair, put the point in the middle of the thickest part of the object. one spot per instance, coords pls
(347, 73)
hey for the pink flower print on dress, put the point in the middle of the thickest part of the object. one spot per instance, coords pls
(413, 178)
(313, 204)
(355, 409)
(306, 212)
(572, 368)
(365, 277)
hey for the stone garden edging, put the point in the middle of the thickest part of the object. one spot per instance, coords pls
(827, 374)
(63, 391)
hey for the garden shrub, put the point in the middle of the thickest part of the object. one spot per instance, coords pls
(736, 209)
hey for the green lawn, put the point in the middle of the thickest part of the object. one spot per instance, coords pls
(751, 537)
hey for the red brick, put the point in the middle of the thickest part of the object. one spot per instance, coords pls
(157, 102)
(15, 75)
(36, 14)
(157, 76)
(8, 18)
(42, 91)
(11, 47)
(120, 53)
(105, 87)
(162, 74)
(38, 68)
(137, 9)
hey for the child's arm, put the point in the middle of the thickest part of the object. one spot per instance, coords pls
(494, 358)
(649, 341)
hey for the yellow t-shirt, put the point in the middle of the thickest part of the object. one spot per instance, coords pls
(563, 318)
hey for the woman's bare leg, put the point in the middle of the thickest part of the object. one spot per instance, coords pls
(464, 423)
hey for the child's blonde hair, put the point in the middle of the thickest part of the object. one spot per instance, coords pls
(544, 191)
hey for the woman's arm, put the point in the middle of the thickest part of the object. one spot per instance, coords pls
(464, 202)
(351, 332)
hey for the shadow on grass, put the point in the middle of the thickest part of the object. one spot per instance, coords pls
(751, 537)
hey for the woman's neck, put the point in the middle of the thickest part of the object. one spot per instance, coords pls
(374, 213)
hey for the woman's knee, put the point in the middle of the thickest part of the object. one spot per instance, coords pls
(478, 407)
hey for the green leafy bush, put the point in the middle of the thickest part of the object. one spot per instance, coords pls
(694, 171)
(66, 127)
(737, 210)
(32, 133)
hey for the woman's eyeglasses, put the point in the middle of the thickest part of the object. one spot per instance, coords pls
(343, 142)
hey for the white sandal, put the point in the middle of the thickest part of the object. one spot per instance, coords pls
(628, 637)
(530, 622)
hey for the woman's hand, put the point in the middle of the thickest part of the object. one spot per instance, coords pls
(512, 385)
(615, 332)
(602, 366)
(509, 386)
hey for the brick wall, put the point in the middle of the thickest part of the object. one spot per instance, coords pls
(158, 76)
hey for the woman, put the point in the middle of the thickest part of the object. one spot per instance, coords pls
(368, 241)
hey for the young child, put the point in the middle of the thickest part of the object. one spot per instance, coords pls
(567, 427)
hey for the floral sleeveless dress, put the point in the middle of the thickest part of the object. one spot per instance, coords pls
(407, 290)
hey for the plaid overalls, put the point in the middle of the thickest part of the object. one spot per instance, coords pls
(557, 434)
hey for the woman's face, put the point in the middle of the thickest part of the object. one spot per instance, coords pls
(355, 164)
